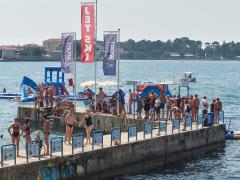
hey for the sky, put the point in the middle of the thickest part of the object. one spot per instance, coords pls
(32, 21)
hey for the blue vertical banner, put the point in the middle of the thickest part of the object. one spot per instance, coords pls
(110, 53)
(67, 63)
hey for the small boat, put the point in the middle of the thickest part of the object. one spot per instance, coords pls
(9, 95)
(232, 135)
(188, 76)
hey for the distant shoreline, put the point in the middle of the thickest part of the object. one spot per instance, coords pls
(78, 60)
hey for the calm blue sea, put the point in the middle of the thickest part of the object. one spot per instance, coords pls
(214, 79)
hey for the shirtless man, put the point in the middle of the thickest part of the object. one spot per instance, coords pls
(100, 98)
(46, 131)
(69, 122)
(217, 109)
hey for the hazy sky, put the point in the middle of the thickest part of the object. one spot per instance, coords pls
(32, 21)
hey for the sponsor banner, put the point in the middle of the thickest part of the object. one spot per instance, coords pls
(98, 138)
(87, 30)
(148, 128)
(132, 131)
(110, 54)
(33, 149)
(188, 121)
(116, 134)
(199, 119)
(163, 126)
(8, 153)
(175, 124)
(78, 141)
(57, 145)
(67, 63)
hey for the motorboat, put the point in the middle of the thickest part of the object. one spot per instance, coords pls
(189, 77)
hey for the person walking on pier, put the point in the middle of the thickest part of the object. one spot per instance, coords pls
(46, 131)
(15, 134)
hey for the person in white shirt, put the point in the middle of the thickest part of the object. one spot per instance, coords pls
(204, 108)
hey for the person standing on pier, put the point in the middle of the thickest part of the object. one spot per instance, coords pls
(27, 130)
(15, 134)
(195, 107)
(69, 122)
(204, 109)
(46, 132)
(217, 109)
(130, 100)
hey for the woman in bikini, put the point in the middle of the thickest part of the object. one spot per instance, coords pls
(15, 134)
(88, 125)
(27, 130)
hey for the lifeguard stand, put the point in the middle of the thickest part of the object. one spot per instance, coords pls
(58, 82)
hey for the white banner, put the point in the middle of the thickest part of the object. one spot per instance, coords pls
(33, 149)
(8, 153)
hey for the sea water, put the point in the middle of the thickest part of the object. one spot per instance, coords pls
(214, 79)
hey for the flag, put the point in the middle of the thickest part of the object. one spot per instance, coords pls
(110, 54)
(87, 29)
(67, 63)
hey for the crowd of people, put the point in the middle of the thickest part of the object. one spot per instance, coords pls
(44, 94)
(166, 107)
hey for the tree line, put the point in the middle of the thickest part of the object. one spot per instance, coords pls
(180, 48)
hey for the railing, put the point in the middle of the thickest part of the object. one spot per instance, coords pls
(33, 148)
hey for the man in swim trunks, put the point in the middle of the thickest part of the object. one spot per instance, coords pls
(69, 122)
(100, 98)
(46, 132)
(15, 134)
(162, 103)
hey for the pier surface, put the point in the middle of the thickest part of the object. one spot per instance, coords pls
(118, 160)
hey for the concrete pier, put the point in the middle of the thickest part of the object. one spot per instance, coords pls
(123, 159)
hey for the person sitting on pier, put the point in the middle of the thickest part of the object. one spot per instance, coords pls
(4, 90)
(15, 134)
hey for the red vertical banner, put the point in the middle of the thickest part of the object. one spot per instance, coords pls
(88, 30)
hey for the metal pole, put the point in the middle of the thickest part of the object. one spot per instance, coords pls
(118, 78)
(95, 62)
(75, 74)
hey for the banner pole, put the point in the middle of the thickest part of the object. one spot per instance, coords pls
(95, 63)
(75, 73)
(118, 97)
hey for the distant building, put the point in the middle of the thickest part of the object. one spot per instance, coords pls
(52, 44)
(188, 55)
(8, 52)
(174, 54)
